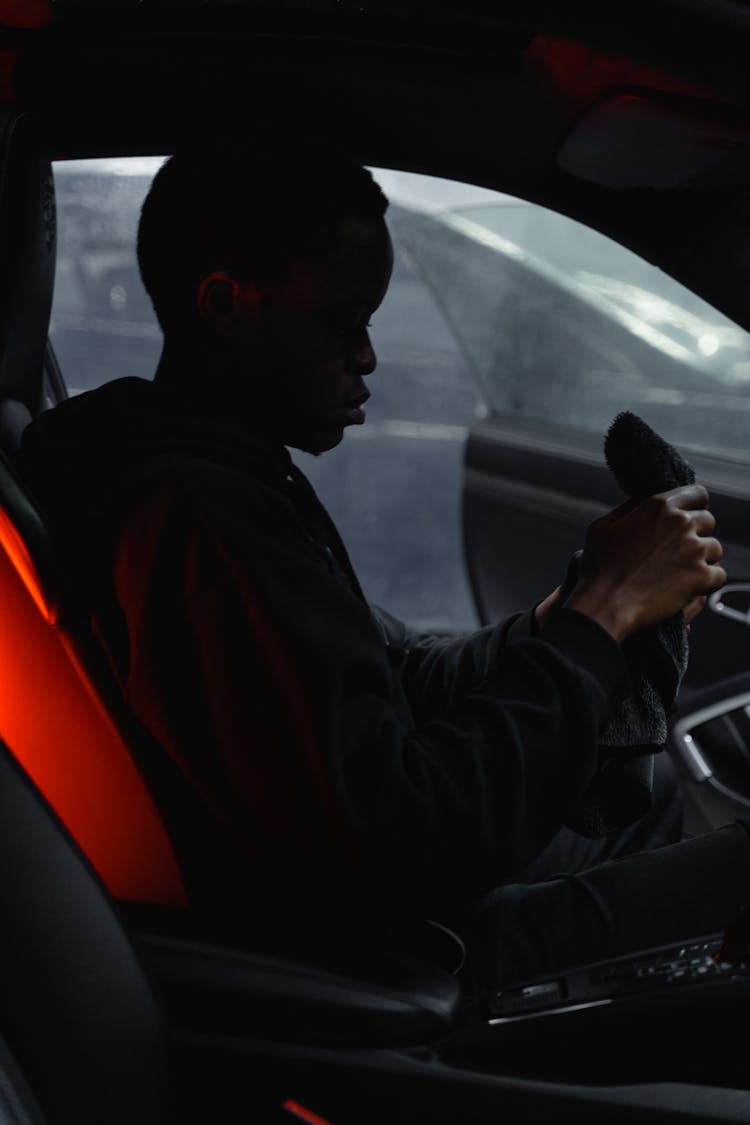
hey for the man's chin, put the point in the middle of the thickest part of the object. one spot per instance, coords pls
(317, 441)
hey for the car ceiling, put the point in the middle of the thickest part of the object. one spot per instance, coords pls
(483, 91)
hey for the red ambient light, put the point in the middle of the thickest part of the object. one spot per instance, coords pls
(55, 725)
(25, 15)
(582, 74)
(303, 1114)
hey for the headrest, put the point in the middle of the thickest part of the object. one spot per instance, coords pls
(27, 255)
(14, 418)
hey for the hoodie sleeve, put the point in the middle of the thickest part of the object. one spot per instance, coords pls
(270, 683)
(438, 671)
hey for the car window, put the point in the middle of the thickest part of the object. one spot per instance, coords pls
(496, 306)
(562, 325)
(103, 326)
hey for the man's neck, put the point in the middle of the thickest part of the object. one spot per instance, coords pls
(205, 381)
(183, 364)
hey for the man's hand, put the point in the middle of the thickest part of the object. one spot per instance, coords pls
(543, 608)
(692, 609)
(645, 562)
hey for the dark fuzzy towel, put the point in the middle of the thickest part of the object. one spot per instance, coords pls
(642, 463)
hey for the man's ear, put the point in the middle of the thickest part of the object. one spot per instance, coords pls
(217, 297)
(220, 298)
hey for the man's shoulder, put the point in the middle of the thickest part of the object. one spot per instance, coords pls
(212, 520)
(222, 493)
(95, 458)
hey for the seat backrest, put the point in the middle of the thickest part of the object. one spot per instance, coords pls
(55, 721)
(79, 1016)
(53, 714)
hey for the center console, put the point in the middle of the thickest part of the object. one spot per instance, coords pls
(361, 1035)
(673, 1013)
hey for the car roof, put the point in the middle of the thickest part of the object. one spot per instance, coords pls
(487, 92)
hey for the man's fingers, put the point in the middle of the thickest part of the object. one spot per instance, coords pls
(542, 610)
(713, 548)
(693, 608)
(703, 521)
(659, 557)
(688, 496)
(716, 578)
(691, 498)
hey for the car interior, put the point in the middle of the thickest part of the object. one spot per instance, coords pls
(125, 999)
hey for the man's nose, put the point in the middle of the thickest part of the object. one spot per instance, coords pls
(361, 359)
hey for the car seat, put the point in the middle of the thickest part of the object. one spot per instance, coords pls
(83, 1037)
(57, 715)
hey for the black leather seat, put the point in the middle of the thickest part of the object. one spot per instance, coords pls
(59, 717)
(58, 709)
(81, 1026)
(80, 1019)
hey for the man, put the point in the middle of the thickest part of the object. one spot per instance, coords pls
(356, 774)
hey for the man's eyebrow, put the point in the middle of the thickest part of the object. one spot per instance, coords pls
(349, 307)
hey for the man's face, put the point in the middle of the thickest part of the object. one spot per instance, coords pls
(309, 338)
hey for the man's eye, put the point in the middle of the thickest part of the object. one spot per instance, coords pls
(349, 328)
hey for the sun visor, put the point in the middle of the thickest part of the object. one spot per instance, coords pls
(636, 140)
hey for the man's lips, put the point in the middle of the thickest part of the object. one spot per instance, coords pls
(352, 411)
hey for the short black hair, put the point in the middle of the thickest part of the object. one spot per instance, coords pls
(245, 208)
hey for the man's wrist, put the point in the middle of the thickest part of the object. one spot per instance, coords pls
(583, 640)
(612, 615)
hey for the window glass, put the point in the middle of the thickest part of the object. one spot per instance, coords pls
(563, 325)
(103, 326)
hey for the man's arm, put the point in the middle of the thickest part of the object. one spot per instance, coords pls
(632, 551)
(438, 670)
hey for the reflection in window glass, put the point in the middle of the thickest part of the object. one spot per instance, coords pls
(560, 324)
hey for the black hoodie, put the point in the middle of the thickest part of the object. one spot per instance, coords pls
(344, 756)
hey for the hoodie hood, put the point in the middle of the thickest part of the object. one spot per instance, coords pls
(81, 454)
